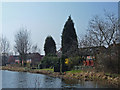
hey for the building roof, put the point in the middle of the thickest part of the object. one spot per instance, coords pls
(91, 50)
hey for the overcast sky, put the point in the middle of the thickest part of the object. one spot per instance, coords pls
(48, 18)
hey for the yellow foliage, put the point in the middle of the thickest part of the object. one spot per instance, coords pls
(66, 61)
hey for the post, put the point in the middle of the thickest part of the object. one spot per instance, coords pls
(60, 65)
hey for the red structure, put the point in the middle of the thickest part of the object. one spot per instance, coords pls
(11, 59)
(84, 63)
(17, 61)
(87, 62)
(91, 63)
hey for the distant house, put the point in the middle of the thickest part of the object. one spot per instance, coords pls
(17, 60)
(114, 50)
(33, 58)
(89, 54)
(114, 47)
(13, 59)
(87, 51)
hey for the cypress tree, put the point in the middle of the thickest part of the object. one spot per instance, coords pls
(69, 39)
(49, 46)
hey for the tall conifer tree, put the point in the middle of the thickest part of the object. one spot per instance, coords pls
(50, 46)
(69, 39)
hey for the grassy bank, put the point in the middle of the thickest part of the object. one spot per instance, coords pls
(113, 79)
(26, 69)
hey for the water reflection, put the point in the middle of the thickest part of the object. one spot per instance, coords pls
(12, 79)
(86, 84)
(21, 79)
(28, 80)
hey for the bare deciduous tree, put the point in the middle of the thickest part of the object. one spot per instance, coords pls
(86, 41)
(22, 43)
(5, 47)
(104, 31)
(35, 49)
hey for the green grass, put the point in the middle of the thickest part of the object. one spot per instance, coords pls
(74, 71)
(113, 75)
(47, 69)
(107, 74)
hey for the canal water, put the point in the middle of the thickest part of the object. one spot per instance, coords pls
(12, 79)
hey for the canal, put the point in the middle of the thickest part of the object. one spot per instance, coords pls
(12, 79)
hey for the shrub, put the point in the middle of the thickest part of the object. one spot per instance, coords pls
(73, 61)
(108, 61)
(49, 61)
